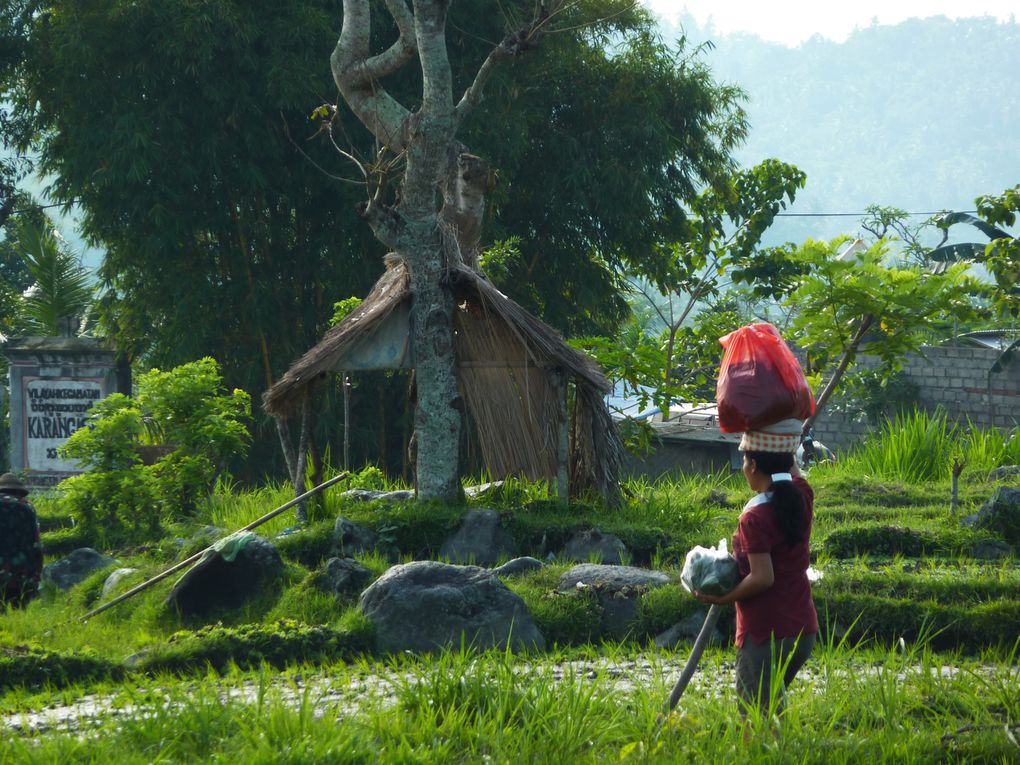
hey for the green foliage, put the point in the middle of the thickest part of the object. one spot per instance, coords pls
(838, 296)
(851, 295)
(223, 235)
(1002, 253)
(279, 644)
(344, 308)
(914, 447)
(185, 410)
(62, 289)
(669, 351)
(25, 666)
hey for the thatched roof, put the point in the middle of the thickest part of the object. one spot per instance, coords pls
(542, 346)
(512, 369)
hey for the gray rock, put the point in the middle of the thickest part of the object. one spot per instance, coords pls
(136, 660)
(1000, 515)
(115, 578)
(343, 577)
(990, 549)
(425, 606)
(75, 568)
(1006, 471)
(362, 495)
(208, 534)
(481, 540)
(215, 584)
(492, 488)
(517, 567)
(617, 588)
(353, 538)
(608, 577)
(371, 495)
(592, 543)
(686, 631)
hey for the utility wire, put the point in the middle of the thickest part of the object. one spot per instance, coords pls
(862, 214)
(42, 207)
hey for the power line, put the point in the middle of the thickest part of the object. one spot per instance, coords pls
(864, 214)
(42, 207)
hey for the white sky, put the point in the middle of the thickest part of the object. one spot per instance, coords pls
(793, 21)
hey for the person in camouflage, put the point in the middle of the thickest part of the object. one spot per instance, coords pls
(21, 555)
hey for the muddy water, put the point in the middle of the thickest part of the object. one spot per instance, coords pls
(346, 692)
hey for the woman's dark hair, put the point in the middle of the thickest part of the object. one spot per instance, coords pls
(786, 500)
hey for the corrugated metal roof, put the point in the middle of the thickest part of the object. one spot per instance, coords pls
(996, 339)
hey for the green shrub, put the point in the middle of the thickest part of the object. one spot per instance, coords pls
(185, 410)
(29, 666)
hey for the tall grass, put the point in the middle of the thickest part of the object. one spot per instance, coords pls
(918, 447)
(851, 704)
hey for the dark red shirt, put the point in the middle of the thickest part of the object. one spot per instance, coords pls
(785, 609)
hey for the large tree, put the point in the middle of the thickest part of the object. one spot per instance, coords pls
(15, 125)
(182, 130)
(434, 221)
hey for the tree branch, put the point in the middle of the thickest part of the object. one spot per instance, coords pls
(398, 54)
(511, 46)
(386, 223)
(437, 80)
(356, 74)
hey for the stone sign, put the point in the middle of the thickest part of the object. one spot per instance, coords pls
(54, 381)
(54, 409)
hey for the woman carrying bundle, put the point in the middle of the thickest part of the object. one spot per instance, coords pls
(776, 619)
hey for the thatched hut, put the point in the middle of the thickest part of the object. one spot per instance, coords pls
(514, 372)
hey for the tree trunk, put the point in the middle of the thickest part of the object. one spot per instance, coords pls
(837, 376)
(431, 240)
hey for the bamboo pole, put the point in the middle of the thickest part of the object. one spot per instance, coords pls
(194, 558)
(692, 660)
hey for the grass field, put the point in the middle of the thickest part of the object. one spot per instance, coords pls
(918, 661)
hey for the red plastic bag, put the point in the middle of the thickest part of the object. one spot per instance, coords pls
(760, 381)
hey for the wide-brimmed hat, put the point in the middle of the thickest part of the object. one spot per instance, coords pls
(9, 484)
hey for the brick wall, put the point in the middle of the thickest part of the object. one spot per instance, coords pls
(955, 379)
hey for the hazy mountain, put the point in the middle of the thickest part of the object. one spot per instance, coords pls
(921, 115)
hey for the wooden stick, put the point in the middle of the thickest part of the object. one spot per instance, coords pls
(194, 558)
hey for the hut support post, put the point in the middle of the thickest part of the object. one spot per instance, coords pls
(297, 461)
(562, 440)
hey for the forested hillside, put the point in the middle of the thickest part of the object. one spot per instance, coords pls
(920, 115)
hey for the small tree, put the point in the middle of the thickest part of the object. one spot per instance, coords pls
(61, 290)
(186, 411)
(669, 352)
(842, 300)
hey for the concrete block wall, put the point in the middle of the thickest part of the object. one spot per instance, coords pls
(953, 378)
